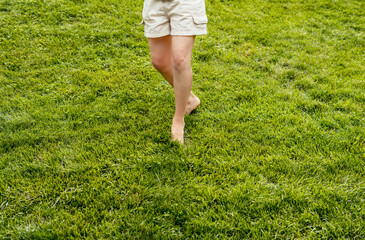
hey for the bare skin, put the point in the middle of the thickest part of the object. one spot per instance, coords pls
(171, 56)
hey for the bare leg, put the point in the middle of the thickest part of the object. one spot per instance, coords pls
(160, 49)
(161, 56)
(181, 50)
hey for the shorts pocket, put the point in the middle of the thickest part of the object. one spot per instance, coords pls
(200, 19)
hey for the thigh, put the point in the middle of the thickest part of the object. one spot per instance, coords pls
(182, 47)
(160, 49)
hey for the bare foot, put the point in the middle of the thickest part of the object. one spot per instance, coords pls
(177, 131)
(193, 103)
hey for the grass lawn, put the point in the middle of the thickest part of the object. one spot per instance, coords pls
(276, 149)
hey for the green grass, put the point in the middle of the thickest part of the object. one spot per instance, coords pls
(276, 149)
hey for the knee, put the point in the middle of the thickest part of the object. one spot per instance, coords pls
(160, 64)
(180, 63)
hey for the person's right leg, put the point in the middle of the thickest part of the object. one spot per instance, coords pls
(160, 49)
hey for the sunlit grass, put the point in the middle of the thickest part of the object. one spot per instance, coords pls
(276, 149)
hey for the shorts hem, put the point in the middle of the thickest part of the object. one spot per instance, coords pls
(188, 33)
(156, 35)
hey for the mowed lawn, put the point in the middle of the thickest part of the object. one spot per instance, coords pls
(275, 151)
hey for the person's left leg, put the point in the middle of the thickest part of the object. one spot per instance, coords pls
(181, 51)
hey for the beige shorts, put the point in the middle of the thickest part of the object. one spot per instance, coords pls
(174, 17)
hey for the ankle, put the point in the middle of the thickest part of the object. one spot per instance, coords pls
(178, 120)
